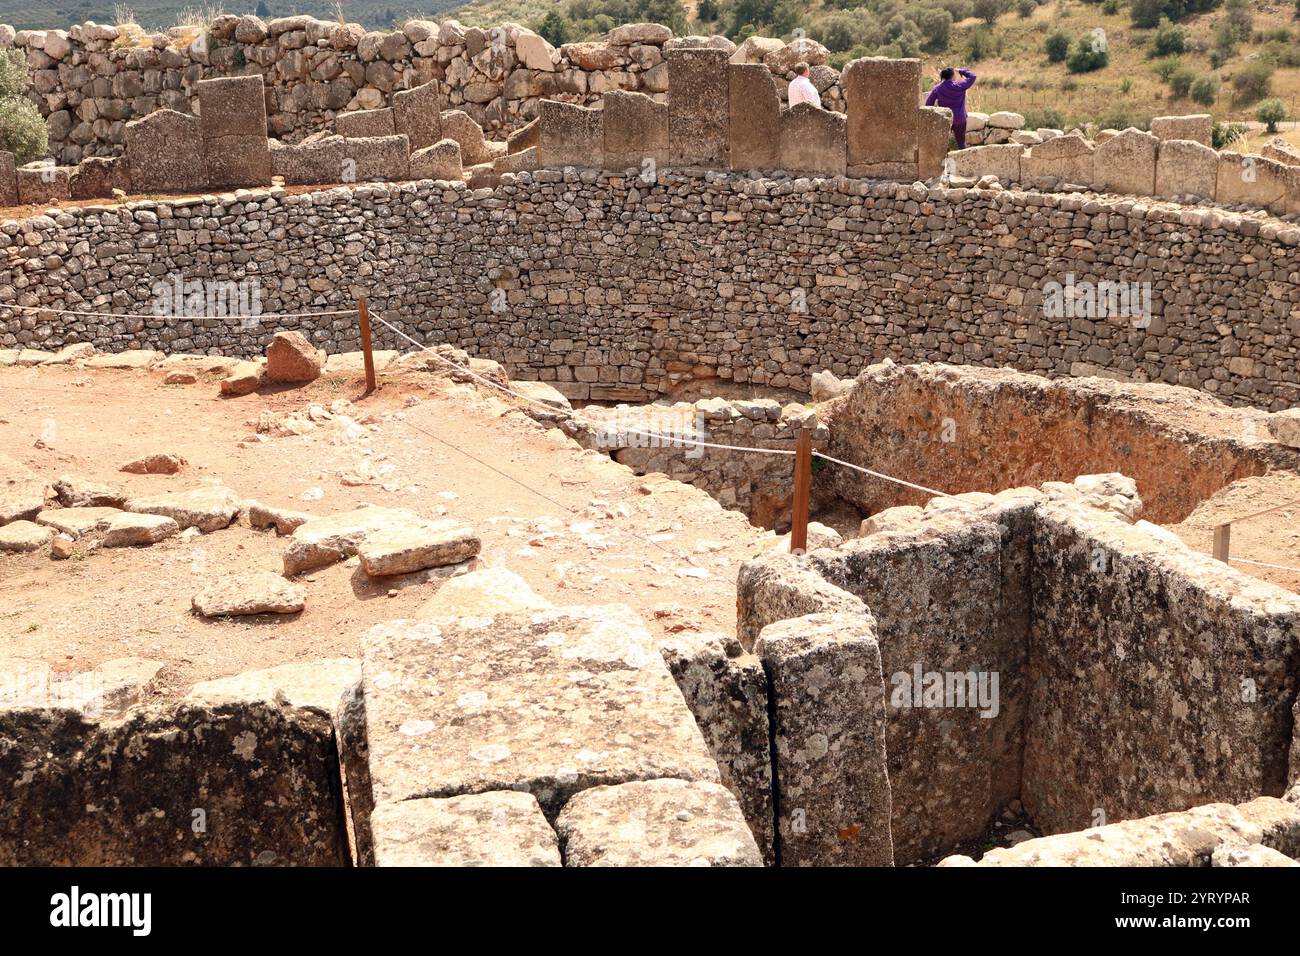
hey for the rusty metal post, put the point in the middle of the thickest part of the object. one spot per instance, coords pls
(364, 312)
(1222, 541)
(802, 488)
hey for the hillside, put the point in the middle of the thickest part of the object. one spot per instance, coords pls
(161, 14)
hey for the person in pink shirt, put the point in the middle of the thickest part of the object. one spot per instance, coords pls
(802, 89)
(951, 93)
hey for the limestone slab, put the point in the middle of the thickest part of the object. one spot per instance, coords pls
(501, 828)
(698, 107)
(331, 538)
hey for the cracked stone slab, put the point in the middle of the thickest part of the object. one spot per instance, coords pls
(22, 536)
(656, 823)
(208, 508)
(77, 521)
(332, 538)
(416, 547)
(258, 592)
(128, 530)
(501, 828)
(550, 701)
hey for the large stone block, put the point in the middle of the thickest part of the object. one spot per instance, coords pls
(1197, 127)
(882, 96)
(698, 110)
(380, 158)
(417, 113)
(934, 136)
(1186, 168)
(164, 152)
(1002, 161)
(635, 130)
(366, 123)
(1160, 678)
(812, 141)
(439, 161)
(238, 161)
(549, 701)
(232, 106)
(317, 162)
(656, 823)
(948, 671)
(1252, 180)
(220, 783)
(42, 183)
(833, 802)
(754, 110)
(571, 135)
(502, 828)
(97, 176)
(1280, 151)
(1067, 159)
(726, 690)
(1126, 163)
(777, 587)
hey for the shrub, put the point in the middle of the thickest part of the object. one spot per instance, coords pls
(1205, 90)
(1169, 39)
(22, 128)
(1047, 118)
(1254, 81)
(1057, 46)
(1026, 8)
(1089, 53)
(1270, 113)
(1223, 135)
(13, 74)
(1167, 68)
(554, 29)
(707, 12)
(935, 25)
(1110, 7)
(990, 10)
(982, 45)
(1180, 83)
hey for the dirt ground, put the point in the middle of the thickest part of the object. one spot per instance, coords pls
(579, 528)
(1273, 538)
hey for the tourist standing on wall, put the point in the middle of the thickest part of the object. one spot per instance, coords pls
(802, 89)
(951, 94)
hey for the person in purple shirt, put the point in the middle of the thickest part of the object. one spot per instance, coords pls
(951, 94)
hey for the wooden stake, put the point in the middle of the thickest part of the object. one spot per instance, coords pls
(1222, 541)
(802, 487)
(364, 312)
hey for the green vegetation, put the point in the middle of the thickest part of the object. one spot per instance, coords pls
(1270, 113)
(22, 129)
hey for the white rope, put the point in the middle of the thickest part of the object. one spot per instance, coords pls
(170, 315)
(1265, 564)
(671, 439)
(877, 474)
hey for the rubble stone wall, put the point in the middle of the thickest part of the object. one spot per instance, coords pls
(91, 79)
(620, 290)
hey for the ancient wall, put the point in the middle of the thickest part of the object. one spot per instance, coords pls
(623, 290)
(91, 79)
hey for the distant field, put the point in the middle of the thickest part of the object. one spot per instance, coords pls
(161, 14)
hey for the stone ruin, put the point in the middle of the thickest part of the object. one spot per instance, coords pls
(884, 701)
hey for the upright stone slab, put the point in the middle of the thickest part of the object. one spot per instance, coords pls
(934, 135)
(501, 828)
(382, 158)
(754, 111)
(416, 112)
(813, 141)
(320, 161)
(1066, 159)
(882, 96)
(97, 176)
(1186, 168)
(635, 130)
(1126, 163)
(365, 123)
(165, 153)
(545, 701)
(726, 690)
(698, 110)
(232, 115)
(1198, 128)
(1253, 180)
(571, 136)
(8, 179)
(656, 823)
(43, 182)
(828, 708)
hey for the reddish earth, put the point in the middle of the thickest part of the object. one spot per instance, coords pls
(579, 528)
